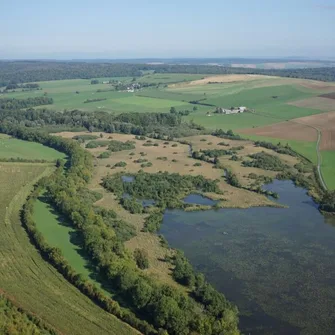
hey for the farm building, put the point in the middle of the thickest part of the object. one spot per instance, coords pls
(232, 110)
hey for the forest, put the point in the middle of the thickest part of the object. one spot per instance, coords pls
(14, 72)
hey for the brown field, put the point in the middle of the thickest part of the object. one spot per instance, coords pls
(328, 95)
(319, 103)
(288, 130)
(232, 197)
(317, 85)
(228, 78)
(326, 123)
(303, 129)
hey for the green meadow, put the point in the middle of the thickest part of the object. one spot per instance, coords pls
(14, 148)
(59, 233)
(328, 168)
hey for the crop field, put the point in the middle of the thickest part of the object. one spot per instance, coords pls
(28, 279)
(14, 148)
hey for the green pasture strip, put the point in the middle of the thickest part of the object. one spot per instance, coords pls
(14, 148)
(168, 95)
(59, 233)
(328, 168)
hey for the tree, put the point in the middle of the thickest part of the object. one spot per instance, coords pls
(141, 258)
(94, 81)
(173, 110)
(195, 108)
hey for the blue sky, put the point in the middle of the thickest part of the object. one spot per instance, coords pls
(183, 28)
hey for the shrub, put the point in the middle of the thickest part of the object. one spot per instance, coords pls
(105, 154)
(141, 258)
(96, 144)
(174, 145)
(120, 164)
(265, 161)
(197, 164)
(115, 146)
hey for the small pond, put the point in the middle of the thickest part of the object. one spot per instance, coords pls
(198, 199)
(127, 179)
(276, 264)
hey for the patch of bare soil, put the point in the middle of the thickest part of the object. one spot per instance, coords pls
(228, 78)
(319, 103)
(286, 130)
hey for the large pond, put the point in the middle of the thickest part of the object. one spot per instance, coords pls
(276, 264)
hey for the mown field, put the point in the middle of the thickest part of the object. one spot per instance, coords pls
(27, 278)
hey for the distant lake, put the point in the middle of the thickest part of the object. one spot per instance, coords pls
(276, 264)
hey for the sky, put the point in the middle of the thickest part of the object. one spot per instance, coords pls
(67, 29)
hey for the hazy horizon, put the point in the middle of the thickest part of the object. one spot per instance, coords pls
(178, 29)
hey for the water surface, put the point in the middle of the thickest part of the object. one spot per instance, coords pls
(198, 199)
(276, 264)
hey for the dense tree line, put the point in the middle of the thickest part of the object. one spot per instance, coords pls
(327, 202)
(15, 104)
(158, 304)
(31, 71)
(286, 150)
(229, 134)
(157, 125)
(23, 87)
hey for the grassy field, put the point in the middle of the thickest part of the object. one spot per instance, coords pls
(31, 281)
(58, 233)
(71, 94)
(14, 148)
(328, 168)
(307, 149)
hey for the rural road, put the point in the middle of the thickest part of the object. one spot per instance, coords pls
(319, 157)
